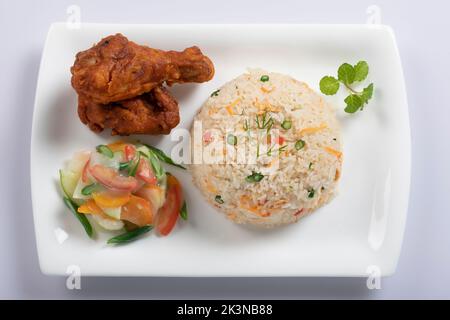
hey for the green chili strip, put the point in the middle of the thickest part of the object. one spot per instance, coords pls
(104, 150)
(130, 235)
(183, 212)
(163, 157)
(133, 169)
(81, 217)
(125, 165)
(87, 190)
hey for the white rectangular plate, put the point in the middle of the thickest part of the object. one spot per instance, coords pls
(360, 231)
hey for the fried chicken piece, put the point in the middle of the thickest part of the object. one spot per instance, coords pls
(116, 69)
(155, 112)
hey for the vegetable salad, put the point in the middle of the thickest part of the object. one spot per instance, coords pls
(123, 186)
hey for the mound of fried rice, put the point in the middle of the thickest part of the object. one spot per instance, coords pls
(267, 149)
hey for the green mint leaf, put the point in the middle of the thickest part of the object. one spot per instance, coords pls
(346, 73)
(367, 93)
(361, 71)
(354, 102)
(329, 85)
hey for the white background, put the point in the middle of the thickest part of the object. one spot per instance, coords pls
(422, 34)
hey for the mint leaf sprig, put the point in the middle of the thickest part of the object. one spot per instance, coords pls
(348, 75)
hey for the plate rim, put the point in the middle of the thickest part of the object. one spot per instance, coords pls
(47, 271)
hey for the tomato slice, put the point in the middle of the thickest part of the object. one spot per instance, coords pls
(169, 212)
(130, 152)
(145, 172)
(110, 178)
(128, 149)
(137, 211)
(84, 173)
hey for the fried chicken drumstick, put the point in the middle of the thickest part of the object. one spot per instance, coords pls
(155, 112)
(116, 69)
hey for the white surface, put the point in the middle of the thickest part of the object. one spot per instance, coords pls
(425, 259)
(361, 227)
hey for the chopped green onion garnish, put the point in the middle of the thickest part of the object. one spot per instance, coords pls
(246, 125)
(130, 235)
(263, 123)
(286, 125)
(254, 177)
(219, 199)
(105, 150)
(264, 78)
(87, 190)
(215, 93)
(299, 144)
(311, 193)
(183, 212)
(310, 165)
(232, 139)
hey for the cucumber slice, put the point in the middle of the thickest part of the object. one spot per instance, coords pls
(77, 194)
(78, 161)
(144, 150)
(155, 162)
(114, 162)
(69, 181)
(112, 212)
(108, 224)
